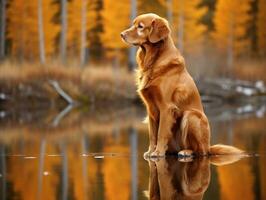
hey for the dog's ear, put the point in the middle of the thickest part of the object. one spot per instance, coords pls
(159, 30)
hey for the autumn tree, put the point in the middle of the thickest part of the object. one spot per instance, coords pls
(22, 28)
(231, 23)
(207, 18)
(63, 31)
(152, 6)
(261, 30)
(50, 28)
(83, 32)
(116, 18)
(83, 27)
(41, 34)
(95, 32)
(132, 50)
(187, 30)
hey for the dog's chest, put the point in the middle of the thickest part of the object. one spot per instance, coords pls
(149, 92)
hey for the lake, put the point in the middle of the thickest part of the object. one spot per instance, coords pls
(97, 154)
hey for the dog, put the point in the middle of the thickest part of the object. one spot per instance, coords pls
(175, 113)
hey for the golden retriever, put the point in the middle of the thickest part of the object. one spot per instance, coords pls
(175, 113)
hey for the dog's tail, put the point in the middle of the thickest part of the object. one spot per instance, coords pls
(221, 149)
(224, 154)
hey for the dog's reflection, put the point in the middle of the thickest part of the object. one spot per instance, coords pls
(172, 179)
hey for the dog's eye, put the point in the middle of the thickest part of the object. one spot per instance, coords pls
(140, 26)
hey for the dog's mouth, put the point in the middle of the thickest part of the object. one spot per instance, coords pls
(124, 39)
(127, 42)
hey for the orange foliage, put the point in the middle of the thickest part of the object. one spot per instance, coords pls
(75, 23)
(189, 13)
(231, 23)
(23, 28)
(116, 18)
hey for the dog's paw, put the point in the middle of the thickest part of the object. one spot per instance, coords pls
(146, 155)
(185, 156)
(157, 154)
(185, 159)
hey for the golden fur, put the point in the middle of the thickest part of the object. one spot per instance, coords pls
(175, 113)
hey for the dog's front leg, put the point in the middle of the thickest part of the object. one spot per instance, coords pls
(153, 131)
(167, 119)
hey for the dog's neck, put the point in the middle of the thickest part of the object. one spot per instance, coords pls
(151, 53)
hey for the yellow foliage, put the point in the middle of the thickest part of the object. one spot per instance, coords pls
(193, 30)
(116, 18)
(23, 27)
(75, 23)
(231, 19)
(151, 6)
(50, 28)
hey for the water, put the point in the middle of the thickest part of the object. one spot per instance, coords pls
(98, 155)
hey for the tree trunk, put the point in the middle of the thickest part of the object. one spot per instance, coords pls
(41, 33)
(132, 50)
(63, 30)
(83, 43)
(181, 27)
(170, 11)
(230, 48)
(3, 29)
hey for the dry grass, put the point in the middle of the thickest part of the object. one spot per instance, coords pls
(251, 70)
(101, 81)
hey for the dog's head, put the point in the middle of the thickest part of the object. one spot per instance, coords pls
(146, 28)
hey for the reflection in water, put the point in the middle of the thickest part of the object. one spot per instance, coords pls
(3, 172)
(100, 157)
(171, 179)
(238, 177)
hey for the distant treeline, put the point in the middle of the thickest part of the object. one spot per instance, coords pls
(88, 30)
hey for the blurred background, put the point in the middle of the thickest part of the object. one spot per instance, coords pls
(78, 42)
(69, 111)
(215, 36)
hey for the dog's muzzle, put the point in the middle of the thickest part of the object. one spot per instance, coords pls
(123, 36)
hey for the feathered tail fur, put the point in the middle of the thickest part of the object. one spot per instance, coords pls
(221, 149)
(224, 154)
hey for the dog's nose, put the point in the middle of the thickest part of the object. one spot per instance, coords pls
(122, 34)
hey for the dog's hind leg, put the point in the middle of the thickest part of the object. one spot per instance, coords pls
(194, 137)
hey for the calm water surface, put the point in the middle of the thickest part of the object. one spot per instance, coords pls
(99, 156)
